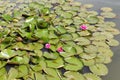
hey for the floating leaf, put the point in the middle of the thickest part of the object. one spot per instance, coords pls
(92, 19)
(43, 34)
(90, 76)
(84, 33)
(22, 71)
(2, 71)
(57, 63)
(82, 41)
(88, 62)
(61, 29)
(7, 53)
(112, 42)
(87, 55)
(74, 75)
(72, 65)
(108, 14)
(51, 70)
(106, 9)
(99, 69)
(66, 15)
(7, 17)
(39, 76)
(50, 55)
(91, 49)
(12, 74)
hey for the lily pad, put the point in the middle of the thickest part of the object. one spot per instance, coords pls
(72, 65)
(90, 76)
(106, 9)
(92, 19)
(7, 53)
(112, 42)
(108, 14)
(82, 41)
(99, 69)
(73, 75)
(57, 63)
(88, 55)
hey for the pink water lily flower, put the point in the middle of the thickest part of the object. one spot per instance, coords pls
(60, 49)
(47, 46)
(83, 27)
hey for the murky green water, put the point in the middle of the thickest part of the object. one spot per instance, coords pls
(114, 67)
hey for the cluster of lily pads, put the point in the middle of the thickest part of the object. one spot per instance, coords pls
(55, 40)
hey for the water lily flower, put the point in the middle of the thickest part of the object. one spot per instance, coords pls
(60, 49)
(47, 46)
(83, 27)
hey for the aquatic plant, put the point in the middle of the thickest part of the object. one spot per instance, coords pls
(55, 40)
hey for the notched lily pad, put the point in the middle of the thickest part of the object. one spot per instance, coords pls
(57, 63)
(82, 41)
(72, 65)
(90, 76)
(108, 14)
(73, 75)
(99, 69)
(112, 42)
(92, 19)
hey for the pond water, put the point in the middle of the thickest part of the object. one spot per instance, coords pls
(114, 71)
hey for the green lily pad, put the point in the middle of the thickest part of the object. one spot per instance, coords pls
(69, 49)
(66, 37)
(84, 33)
(92, 19)
(108, 14)
(88, 62)
(88, 55)
(90, 76)
(99, 38)
(12, 74)
(72, 65)
(66, 15)
(57, 63)
(61, 29)
(67, 21)
(39, 33)
(79, 49)
(99, 69)
(39, 76)
(49, 71)
(73, 75)
(100, 44)
(106, 9)
(7, 17)
(107, 60)
(2, 71)
(82, 41)
(36, 67)
(7, 53)
(20, 60)
(112, 42)
(91, 49)
(22, 71)
(50, 55)
(105, 51)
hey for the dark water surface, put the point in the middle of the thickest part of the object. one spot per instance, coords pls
(114, 66)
